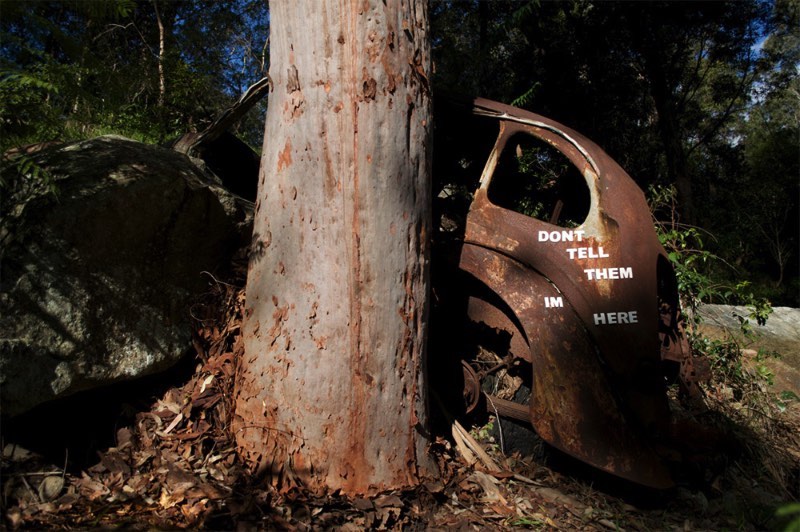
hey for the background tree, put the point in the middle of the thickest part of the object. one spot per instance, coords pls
(672, 90)
(762, 193)
(148, 70)
(331, 391)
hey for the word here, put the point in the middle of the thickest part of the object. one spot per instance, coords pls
(612, 318)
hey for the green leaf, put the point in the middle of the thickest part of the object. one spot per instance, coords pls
(788, 395)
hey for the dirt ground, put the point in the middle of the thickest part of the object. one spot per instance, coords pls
(171, 464)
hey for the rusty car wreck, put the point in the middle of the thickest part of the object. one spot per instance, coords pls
(590, 304)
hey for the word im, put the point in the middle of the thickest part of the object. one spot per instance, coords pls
(553, 302)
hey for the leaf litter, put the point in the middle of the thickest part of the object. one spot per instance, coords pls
(176, 467)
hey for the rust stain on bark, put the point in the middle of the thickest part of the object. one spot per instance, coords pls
(355, 270)
(285, 156)
(329, 180)
(356, 468)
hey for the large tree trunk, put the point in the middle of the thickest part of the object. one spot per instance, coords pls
(331, 389)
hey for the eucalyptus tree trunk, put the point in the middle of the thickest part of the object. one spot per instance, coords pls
(331, 391)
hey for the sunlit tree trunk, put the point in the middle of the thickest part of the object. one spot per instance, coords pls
(331, 390)
(162, 84)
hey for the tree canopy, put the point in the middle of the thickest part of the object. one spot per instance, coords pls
(697, 97)
(147, 69)
(701, 98)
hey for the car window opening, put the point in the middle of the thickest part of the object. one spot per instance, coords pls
(535, 179)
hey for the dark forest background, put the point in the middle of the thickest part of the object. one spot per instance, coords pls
(698, 101)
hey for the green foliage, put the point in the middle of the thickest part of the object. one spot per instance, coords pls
(25, 81)
(527, 522)
(25, 115)
(696, 268)
(790, 512)
(541, 173)
(695, 272)
(28, 169)
(28, 177)
(22, 178)
(747, 382)
(526, 98)
(80, 68)
(784, 399)
(671, 90)
(483, 433)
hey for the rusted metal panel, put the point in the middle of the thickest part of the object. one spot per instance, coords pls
(582, 304)
(572, 404)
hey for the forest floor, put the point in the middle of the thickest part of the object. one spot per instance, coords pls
(173, 466)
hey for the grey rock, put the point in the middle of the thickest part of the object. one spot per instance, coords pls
(780, 334)
(97, 280)
(783, 323)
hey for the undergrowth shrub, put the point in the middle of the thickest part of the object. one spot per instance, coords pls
(697, 271)
(738, 388)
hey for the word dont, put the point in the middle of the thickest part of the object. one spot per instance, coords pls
(567, 235)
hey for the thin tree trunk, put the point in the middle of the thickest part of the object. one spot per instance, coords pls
(331, 390)
(162, 85)
(656, 61)
(669, 130)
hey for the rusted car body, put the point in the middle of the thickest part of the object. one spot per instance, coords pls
(592, 306)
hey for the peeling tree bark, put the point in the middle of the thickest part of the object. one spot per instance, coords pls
(331, 391)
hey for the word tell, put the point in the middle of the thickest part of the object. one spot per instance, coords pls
(586, 253)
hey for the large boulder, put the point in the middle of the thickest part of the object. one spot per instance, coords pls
(98, 277)
(780, 334)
